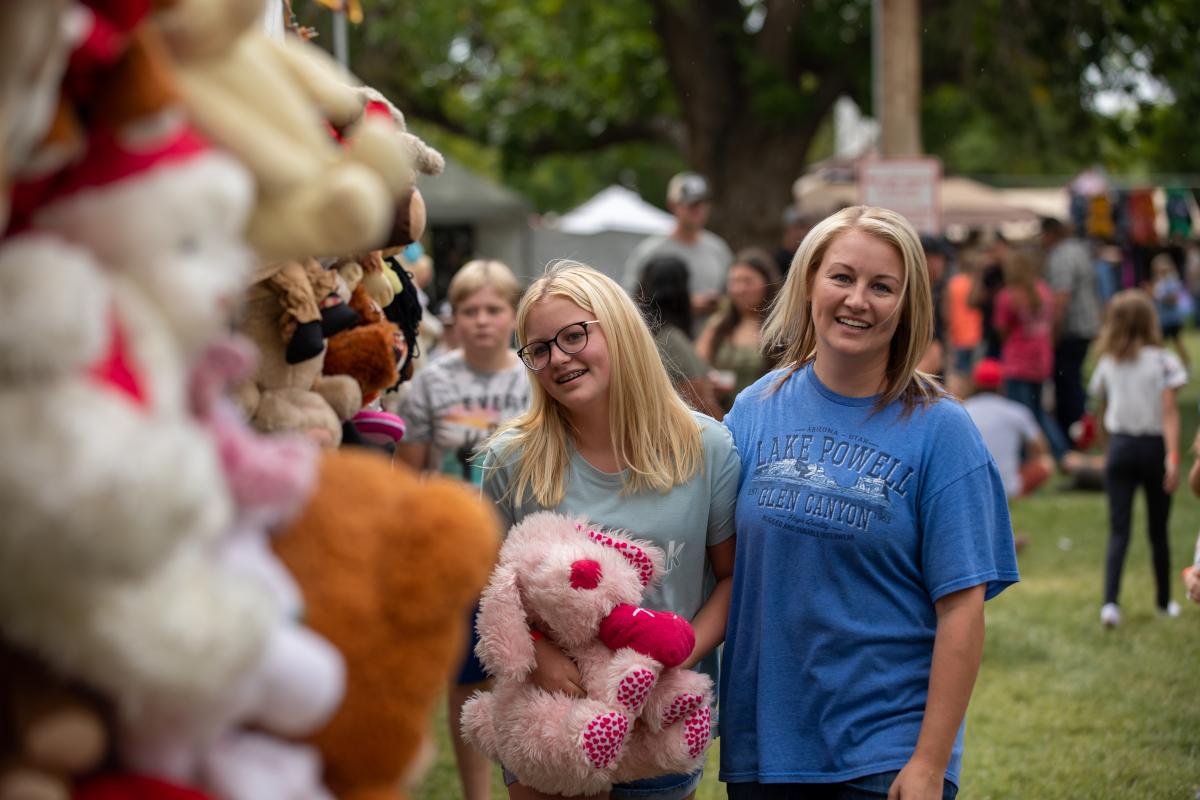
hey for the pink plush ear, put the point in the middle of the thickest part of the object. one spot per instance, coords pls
(635, 555)
(505, 645)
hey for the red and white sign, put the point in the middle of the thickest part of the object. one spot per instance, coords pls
(908, 186)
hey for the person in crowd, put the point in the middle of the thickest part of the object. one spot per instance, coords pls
(872, 526)
(1077, 311)
(1136, 380)
(732, 341)
(964, 327)
(1171, 301)
(607, 438)
(988, 283)
(1010, 432)
(1024, 318)
(665, 301)
(707, 255)
(457, 401)
(796, 225)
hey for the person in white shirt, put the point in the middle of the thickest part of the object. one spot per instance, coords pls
(707, 255)
(1010, 432)
(1137, 379)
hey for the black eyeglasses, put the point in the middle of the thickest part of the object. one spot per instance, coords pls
(570, 339)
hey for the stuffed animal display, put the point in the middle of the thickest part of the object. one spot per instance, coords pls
(580, 587)
(152, 642)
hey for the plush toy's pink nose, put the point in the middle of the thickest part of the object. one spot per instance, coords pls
(585, 574)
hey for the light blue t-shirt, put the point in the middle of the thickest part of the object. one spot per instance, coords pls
(851, 524)
(683, 522)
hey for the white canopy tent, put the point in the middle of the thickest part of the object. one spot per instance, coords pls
(602, 232)
(617, 209)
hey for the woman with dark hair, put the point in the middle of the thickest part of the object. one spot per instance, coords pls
(664, 298)
(732, 341)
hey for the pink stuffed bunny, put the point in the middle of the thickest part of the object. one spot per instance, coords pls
(580, 587)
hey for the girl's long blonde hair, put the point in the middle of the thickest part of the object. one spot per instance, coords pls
(789, 327)
(654, 436)
(1130, 323)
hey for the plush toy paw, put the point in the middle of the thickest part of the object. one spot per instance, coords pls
(663, 636)
(603, 739)
(634, 688)
(697, 731)
(681, 706)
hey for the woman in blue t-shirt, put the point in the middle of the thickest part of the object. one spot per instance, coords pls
(872, 525)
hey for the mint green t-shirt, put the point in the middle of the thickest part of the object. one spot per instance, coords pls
(683, 522)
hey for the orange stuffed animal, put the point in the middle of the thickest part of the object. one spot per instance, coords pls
(389, 565)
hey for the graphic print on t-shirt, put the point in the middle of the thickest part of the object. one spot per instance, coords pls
(827, 484)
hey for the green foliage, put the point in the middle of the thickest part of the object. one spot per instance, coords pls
(565, 97)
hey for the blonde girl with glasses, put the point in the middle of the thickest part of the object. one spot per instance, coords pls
(607, 437)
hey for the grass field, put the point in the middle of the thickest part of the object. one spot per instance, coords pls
(1063, 708)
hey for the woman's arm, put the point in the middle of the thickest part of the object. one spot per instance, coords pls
(709, 622)
(1171, 440)
(957, 651)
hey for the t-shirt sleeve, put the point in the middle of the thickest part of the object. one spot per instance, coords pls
(725, 469)
(1174, 374)
(496, 481)
(966, 533)
(1028, 426)
(417, 409)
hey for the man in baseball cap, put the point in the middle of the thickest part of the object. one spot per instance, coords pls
(707, 255)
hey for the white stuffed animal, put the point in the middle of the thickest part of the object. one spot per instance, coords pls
(168, 229)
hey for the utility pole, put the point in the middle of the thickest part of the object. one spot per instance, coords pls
(341, 38)
(896, 34)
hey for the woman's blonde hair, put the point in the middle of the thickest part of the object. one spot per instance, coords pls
(654, 435)
(1130, 323)
(789, 327)
(484, 274)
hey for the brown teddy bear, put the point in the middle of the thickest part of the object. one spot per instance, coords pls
(289, 391)
(389, 565)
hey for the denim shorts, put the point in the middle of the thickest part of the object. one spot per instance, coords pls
(664, 787)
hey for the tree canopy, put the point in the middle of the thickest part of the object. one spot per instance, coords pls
(567, 97)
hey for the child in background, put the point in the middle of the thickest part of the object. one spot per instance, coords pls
(1137, 380)
(1171, 301)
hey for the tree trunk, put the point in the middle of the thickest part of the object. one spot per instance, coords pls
(752, 173)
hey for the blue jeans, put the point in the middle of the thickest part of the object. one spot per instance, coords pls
(664, 787)
(1029, 394)
(868, 787)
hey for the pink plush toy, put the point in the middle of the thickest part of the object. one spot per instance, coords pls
(580, 587)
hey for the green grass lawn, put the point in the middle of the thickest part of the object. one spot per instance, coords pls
(1063, 708)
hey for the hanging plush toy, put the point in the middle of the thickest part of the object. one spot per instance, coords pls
(288, 315)
(580, 587)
